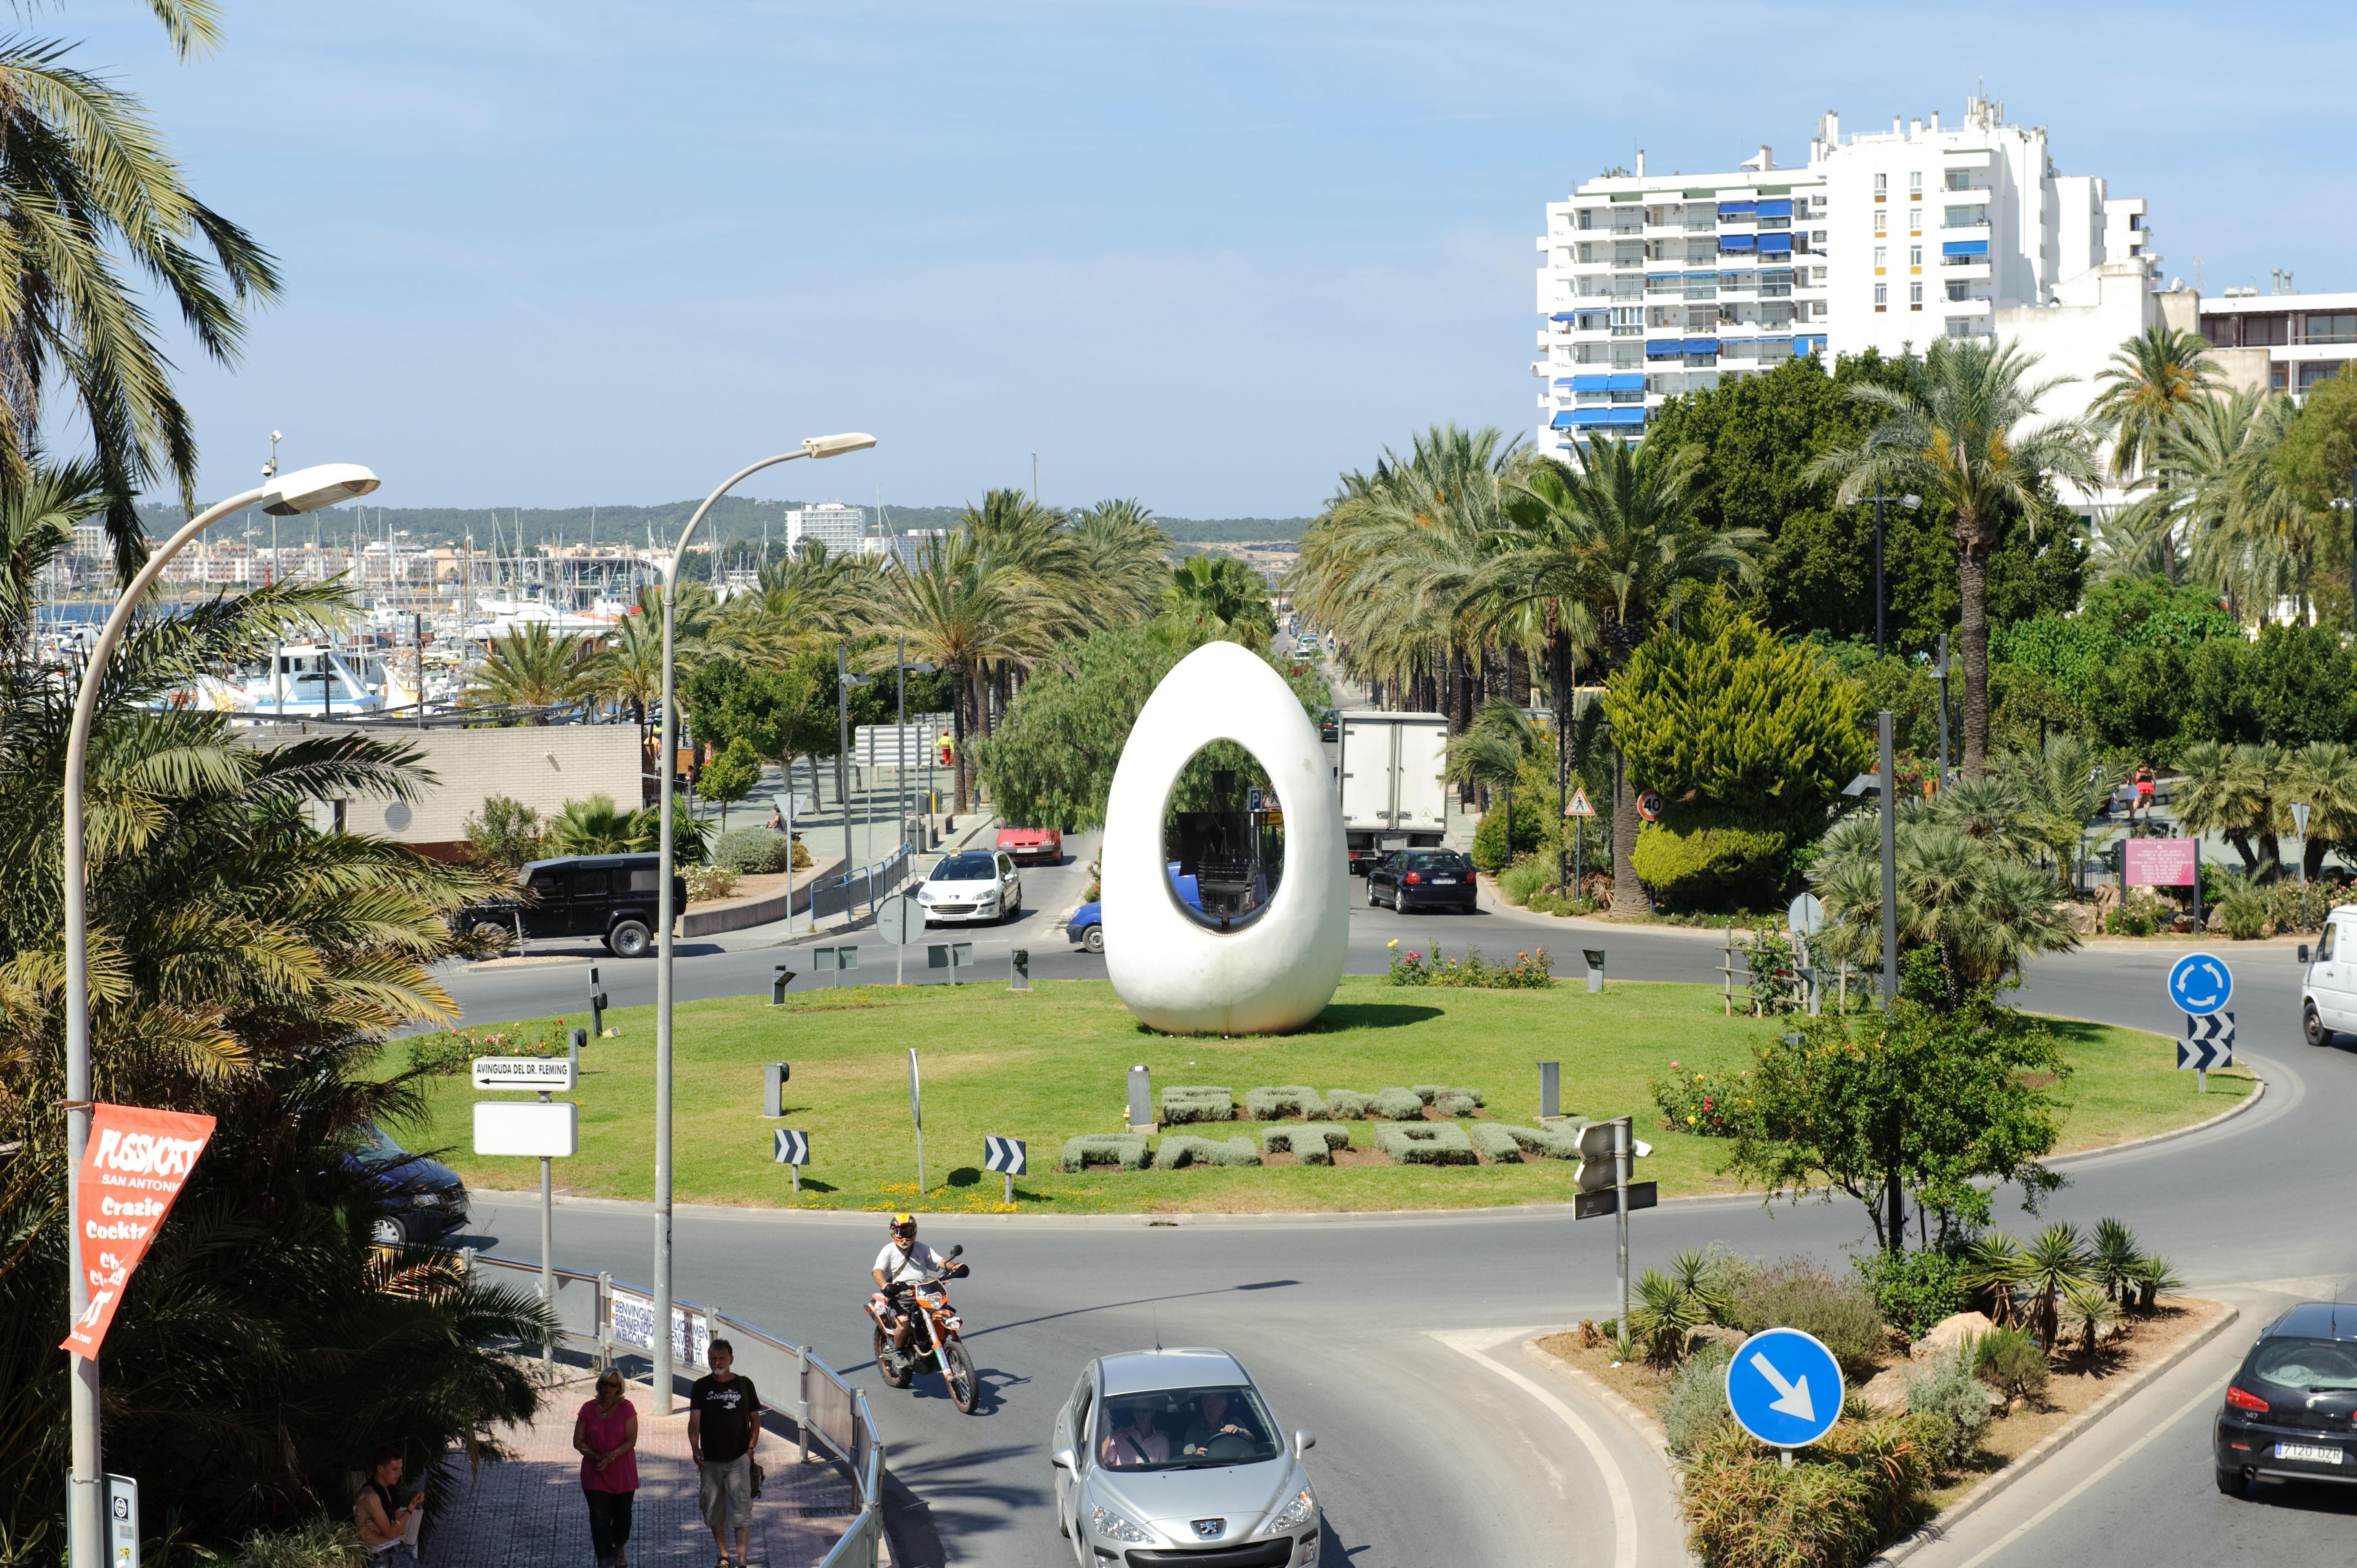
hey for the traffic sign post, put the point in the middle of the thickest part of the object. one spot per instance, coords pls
(1579, 808)
(791, 1149)
(917, 1115)
(2201, 985)
(900, 921)
(1009, 1157)
(2209, 1042)
(1784, 1388)
(1603, 1187)
(550, 1129)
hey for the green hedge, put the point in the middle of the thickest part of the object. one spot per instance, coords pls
(1127, 1150)
(1178, 1152)
(1429, 1092)
(752, 851)
(1497, 1142)
(1348, 1104)
(1427, 1144)
(1312, 1143)
(1558, 1142)
(1292, 1100)
(1398, 1104)
(1707, 864)
(1186, 1102)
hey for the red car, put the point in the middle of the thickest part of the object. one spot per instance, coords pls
(1039, 847)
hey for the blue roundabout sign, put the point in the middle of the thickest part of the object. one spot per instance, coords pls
(2200, 984)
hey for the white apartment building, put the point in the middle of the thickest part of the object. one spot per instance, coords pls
(902, 548)
(838, 527)
(1653, 286)
(2285, 341)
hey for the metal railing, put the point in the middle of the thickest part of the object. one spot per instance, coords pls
(865, 884)
(606, 1317)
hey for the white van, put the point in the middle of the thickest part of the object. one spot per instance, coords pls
(2328, 992)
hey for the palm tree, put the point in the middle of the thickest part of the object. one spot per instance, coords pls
(594, 826)
(1992, 1267)
(2323, 776)
(808, 598)
(1958, 430)
(1490, 754)
(2229, 791)
(1121, 549)
(528, 667)
(2140, 541)
(1227, 597)
(2154, 381)
(37, 524)
(2060, 788)
(1984, 909)
(2089, 1311)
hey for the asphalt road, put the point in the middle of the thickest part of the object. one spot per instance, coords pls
(1394, 1339)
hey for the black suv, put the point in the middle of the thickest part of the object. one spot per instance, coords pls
(610, 896)
(2288, 1406)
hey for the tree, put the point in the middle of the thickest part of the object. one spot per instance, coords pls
(529, 667)
(36, 524)
(2153, 382)
(1959, 431)
(1923, 1096)
(2323, 776)
(2316, 456)
(1229, 598)
(1121, 549)
(506, 833)
(730, 776)
(597, 826)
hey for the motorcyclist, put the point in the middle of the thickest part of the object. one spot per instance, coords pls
(904, 1263)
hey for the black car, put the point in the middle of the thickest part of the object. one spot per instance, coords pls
(609, 896)
(424, 1199)
(2290, 1406)
(1423, 879)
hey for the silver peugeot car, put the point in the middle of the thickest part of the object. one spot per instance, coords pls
(1173, 1457)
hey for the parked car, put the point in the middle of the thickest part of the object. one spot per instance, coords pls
(609, 896)
(972, 886)
(424, 1199)
(1034, 847)
(2288, 1406)
(1085, 930)
(1423, 879)
(1174, 1456)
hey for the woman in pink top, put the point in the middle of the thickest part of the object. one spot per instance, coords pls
(606, 1435)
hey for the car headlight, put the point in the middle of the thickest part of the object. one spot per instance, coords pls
(427, 1201)
(1115, 1527)
(1295, 1513)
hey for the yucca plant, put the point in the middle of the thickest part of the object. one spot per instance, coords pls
(1993, 1272)
(2151, 1276)
(2050, 1267)
(2113, 1257)
(1698, 1276)
(1665, 1314)
(2087, 1312)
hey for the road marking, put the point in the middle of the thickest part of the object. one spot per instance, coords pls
(2116, 1460)
(1471, 1343)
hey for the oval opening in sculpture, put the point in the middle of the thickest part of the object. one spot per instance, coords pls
(1224, 837)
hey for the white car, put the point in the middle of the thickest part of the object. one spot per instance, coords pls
(974, 886)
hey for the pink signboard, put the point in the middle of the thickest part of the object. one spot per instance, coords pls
(2159, 863)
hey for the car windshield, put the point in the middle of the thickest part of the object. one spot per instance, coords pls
(971, 867)
(375, 1146)
(2311, 1366)
(1184, 1429)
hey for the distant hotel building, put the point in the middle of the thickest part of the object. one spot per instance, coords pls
(838, 527)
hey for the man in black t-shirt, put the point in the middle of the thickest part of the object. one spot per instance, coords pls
(724, 1429)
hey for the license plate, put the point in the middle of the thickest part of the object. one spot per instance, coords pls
(1443, 881)
(2309, 1452)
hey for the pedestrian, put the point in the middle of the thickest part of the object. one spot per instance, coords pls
(606, 1435)
(385, 1528)
(724, 1431)
(2144, 790)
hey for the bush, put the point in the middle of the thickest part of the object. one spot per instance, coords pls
(1434, 1093)
(1706, 1106)
(1710, 865)
(1127, 1150)
(1696, 1405)
(706, 883)
(1348, 1104)
(1558, 1142)
(1269, 1104)
(1496, 1141)
(1799, 1294)
(1398, 1104)
(1312, 1143)
(1522, 880)
(1427, 1144)
(1947, 1391)
(1914, 1290)
(1531, 970)
(757, 851)
(1862, 1488)
(1490, 849)
(321, 1543)
(2012, 1362)
(1176, 1153)
(1186, 1102)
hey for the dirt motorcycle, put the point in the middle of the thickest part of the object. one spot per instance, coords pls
(933, 1342)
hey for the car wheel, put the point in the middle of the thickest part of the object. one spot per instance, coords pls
(2313, 1027)
(1093, 940)
(389, 1231)
(629, 938)
(2234, 1483)
(1373, 902)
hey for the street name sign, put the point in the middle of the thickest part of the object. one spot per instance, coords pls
(556, 1075)
(1596, 1205)
(549, 1129)
(1784, 1388)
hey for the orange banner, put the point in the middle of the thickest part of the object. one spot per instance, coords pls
(136, 1164)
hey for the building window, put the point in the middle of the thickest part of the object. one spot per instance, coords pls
(1881, 295)
(1960, 327)
(1960, 179)
(1882, 223)
(1915, 257)
(1818, 275)
(2316, 370)
(1881, 253)
(1817, 307)
(1881, 184)
(1915, 219)
(1915, 295)
(2328, 326)
(1915, 184)
(1957, 290)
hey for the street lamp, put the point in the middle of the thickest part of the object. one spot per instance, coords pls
(305, 489)
(813, 447)
(1910, 503)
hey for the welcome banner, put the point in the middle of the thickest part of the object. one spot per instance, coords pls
(136, 1164)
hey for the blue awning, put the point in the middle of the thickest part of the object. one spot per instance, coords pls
(1776, 244)
(1803, 347)
(1566, 316)
(1738, 208)
(1781, 207)
(1565, 420)
(1578, 419)
(1663, 277)
(1587, 383)
(1624, 383)
(1964, 248)
(1727, 242)
(1664, 348)
(1701, 346)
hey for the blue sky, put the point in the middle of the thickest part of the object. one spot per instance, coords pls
(1207, 254)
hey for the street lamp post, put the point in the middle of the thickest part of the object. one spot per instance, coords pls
(813, 446)
(1910, 503)
(305, 489)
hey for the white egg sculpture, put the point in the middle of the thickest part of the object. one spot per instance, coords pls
(1277, 972)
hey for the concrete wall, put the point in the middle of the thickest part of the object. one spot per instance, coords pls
(542, 766)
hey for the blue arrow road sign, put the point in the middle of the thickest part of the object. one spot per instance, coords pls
(2200, 984)
(1785, 1387)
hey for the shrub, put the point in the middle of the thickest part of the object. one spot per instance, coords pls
(756, 852)
(1520, 881)
(1450, 1101)
(1398, 1104)
(1186, 1149)
(1862, 1487)
(1186, 1102)
(321, 1543)
(1127, 1150)
(1799, 1294)
(1696, 1405)
(1666, 1312)
(2012, 1360)
(708, 882)
(1704, 1105)
(1269, 1104)
(1348, 1105)
(1708, 865)
(1558, 1142)
(1914, 1290)
(1490, 849)
(1947, 1391)
(1530, 970)
(1496, 1141)
(1427, 1144)
(1311, 1143)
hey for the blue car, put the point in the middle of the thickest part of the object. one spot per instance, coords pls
(424, 1198)
(1085, 930)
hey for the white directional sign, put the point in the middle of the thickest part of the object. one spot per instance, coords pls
(550, 1130)
(791, 1148)
(1006, 1155)
(2209, 1042)
(1784, 1388)
(553, 1073)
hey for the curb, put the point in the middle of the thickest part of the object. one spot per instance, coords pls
(2052, 1443)
(1588, 1383)
(2258, 1093)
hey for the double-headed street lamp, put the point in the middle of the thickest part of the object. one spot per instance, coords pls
(287, 495)
(813, 447)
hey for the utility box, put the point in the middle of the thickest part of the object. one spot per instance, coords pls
(1550, 1092)
(1141, 1099)
(773, 1088)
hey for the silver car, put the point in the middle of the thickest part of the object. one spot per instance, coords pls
(972, 886)
(1172, 1457)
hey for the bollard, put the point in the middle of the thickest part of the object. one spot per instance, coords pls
(1550, 1092)
(1595, 957)
(605, 1320)
(574, 1040)
(1141, 1099)
(782, 978)
(773, 1088)
(1019, 970)
(802, 1404)
(598, 1002)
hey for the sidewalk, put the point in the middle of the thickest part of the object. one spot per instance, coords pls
(528, 1512)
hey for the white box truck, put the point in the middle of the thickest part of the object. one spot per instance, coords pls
(1390, 769)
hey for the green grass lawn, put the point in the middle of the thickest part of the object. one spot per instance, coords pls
(1045, 1065)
